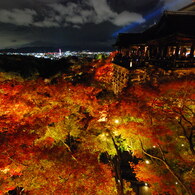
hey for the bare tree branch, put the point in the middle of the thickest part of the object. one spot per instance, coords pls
(168, 168)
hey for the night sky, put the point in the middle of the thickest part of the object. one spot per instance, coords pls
(76, 24)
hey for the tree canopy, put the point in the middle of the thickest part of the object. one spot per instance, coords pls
(52, 136)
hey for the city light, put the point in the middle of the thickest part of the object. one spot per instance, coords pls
(59, 54)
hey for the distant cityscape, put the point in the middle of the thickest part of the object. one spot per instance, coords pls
(59, 54)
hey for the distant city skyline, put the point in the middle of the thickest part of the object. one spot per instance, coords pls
(57, 54)
(76, 24)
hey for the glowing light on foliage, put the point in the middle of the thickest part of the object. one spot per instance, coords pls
(117, 121)
(5, 170)
(52, 137)
(147, 162)
(105, 73)
(154, 146)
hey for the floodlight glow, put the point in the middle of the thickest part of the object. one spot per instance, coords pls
(150, 16)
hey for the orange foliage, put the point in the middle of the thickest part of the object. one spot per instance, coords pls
(38, 117)
(157, 179)
(105, 73)
(47, 166)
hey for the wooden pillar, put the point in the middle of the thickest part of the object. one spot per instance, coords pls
(176, 55)
(148, 52)
(158, 51)
(177, 51)
(192, 51)
(165, 51)
(168, 51)
(161, 52)
(151, 51)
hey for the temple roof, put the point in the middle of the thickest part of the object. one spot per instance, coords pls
(176, 22)
(126, 39)
(190, 7)
(171, 23)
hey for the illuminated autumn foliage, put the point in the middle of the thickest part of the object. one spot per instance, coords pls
(53, 133)
(105, 73)
(160, 128)
(37, 118)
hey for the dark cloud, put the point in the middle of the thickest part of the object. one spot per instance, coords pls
(92, 11)
(133, 5)
(10, 4)
(70, 13)
(176, 4)
(64, 22)
(24, 17)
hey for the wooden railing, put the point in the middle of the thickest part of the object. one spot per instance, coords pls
(167, 63)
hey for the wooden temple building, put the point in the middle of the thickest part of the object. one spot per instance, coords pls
(168, 44)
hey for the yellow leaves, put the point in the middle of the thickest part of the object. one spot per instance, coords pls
(56, 131)
(4, 76)
(35, 175)
(60, 130)
(63, 177)
(12, 169)
(189, 176)
(105, 144)
(127, 188)
(72, 125)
